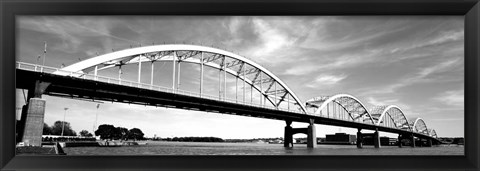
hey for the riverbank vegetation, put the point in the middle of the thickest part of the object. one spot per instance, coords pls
(111, 132)
(57, 128)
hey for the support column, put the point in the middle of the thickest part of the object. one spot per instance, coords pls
(420, 142)
(412, 138)
(21, 124)
(311, 135)
(288, 136)
(400, 141)
(376, 139)
(359, 139)
(429, 143)
(32, 119)
(32, 133)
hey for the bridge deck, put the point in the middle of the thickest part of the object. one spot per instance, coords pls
(72, 87)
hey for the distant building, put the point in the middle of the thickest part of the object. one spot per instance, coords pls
(259, 141)
(275, 141)
(384, 141)
(340, 138)
(301, 140)
(304, 140)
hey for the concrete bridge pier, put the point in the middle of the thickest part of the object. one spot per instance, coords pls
(310, 131)
(359, 139)
(288, 135)
(399, 139)
(376, 139)
(429, 143)
(32, 119)
(412, 139)
(311, 135)
(374, 136)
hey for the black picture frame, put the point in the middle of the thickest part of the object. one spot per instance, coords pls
(10, 8)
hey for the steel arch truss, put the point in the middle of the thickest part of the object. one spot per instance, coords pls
(251, 73)
(326, 106)
(432, 133)
(390, 116)
(419, 126)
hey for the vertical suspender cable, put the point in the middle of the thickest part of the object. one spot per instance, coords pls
(95, 72)
(151, 74)
(224, 78)
(201, 75)
(243, 68)
(173, 73)
(139, 70)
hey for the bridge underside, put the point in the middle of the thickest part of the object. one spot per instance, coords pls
(71, 87)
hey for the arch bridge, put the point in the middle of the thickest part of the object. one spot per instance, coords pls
(212, 80)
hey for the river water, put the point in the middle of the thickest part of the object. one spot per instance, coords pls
(203, 148)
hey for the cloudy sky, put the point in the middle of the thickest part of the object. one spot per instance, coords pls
(414, 62)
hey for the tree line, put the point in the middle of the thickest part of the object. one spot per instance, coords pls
(111, 132)
(105, 131)
(56, 129)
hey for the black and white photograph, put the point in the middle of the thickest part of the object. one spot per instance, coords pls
(240, 85)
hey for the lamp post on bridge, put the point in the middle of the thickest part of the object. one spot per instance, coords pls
(36, 63)
(63, 124)
(44, 56)
(96, 118)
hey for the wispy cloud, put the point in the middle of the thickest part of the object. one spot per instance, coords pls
(343, 61)
(448, 119)
(452, 98)
(326, 80)
(386, 101)
(271, 38)
(421, 76)
(345, 38)
(374, 102)
(440, 67)
(429, 42)
(104, 32)
(447, 36)
(60, 30)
